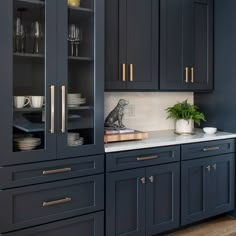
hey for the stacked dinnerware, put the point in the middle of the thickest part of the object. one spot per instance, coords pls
(27, 143)
(74, 139)
(74, 100)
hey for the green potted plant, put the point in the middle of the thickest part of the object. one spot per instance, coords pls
(185, 114)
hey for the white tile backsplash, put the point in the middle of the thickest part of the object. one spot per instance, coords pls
(146, 110)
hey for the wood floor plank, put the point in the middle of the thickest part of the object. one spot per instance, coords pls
(223, 226)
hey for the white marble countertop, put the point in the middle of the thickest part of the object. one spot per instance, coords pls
(166, 138)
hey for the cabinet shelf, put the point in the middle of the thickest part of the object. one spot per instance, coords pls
(32, 2)
(30, 55)
(80, 108)
(28, 109)
(80, 58)
(81, 9)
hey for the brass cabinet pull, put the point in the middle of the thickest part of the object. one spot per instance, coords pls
(143, 180)
(123, 72)
(146, 158)
(208, 168)
(63, 109)
(151, 178)
(211, 149)
(56, 202)
(186, 74)
(192, 75)
(131, 72)
(56, 171)
(52, 130)
(214, 167)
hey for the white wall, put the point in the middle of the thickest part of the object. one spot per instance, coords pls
(146, 111)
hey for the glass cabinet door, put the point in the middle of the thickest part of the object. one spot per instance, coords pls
(29, 81)
(80, 35)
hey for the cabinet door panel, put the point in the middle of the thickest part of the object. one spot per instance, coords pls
(162, 198)
(80, 80)
(223, 182)
(88, 225)
(171, 74)
(113, 77)
(125, 203)
(195, 181)
(27, 73)
(140, 47)
(198, 43)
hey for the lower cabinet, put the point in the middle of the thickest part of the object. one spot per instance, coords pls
(44, 203)
(142, 201)
(207, 187)
(88, 225)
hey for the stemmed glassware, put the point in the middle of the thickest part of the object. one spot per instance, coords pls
(20, 36)
(37, 35)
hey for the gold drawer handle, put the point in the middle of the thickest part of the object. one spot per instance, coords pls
(123, 72)
(56, 202)
(186, 74)
(146, 158)
(52, 130)
(192, 75)
(50, 172)
(131, 71)
(211, 149)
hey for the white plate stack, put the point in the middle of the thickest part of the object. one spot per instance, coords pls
(27, 143)
(74, 139)
(75, 100)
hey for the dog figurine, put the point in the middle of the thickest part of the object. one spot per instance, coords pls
(116, 115)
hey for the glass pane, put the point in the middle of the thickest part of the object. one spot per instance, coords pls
(28, 75)
(80, 99)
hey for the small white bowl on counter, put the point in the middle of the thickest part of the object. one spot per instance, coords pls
(209, 130)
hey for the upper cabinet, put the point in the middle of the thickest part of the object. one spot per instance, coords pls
(132, 44)
(51, 70)
(186, 45)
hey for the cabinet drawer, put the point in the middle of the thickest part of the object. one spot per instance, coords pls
(22, 175)
(34, 205)
(88, 225)
(141, 158)
(204, 149)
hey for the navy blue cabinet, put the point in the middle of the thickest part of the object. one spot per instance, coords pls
(207, 187)
(87, 225)
(142, 201)
(47, 94)
(186, 39)
(132, 44)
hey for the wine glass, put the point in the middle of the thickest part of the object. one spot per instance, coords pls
(78, 39)
(37, 35)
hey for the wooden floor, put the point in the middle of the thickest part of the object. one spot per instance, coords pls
(224, 226)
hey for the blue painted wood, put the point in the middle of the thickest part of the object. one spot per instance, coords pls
(22, 175)
(204, 149)
(23, 207)
(207, 187)
(129, 159)
(162, 198)
(195, 188)
(132, 28)
(125, 203)
(87, 225)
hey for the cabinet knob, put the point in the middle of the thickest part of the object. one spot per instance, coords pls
(208, 168)
(214, 167)
(143, 180)
(151, 178)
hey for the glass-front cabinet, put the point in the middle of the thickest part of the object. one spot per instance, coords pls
(51, 79)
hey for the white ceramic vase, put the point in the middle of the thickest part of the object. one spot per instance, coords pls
(184, 126)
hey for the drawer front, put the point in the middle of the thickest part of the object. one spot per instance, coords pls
(34, 205)
(23, 175)
(141, 158)
(204, 149)
(88, 225)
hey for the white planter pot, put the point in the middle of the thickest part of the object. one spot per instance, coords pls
(184, 126)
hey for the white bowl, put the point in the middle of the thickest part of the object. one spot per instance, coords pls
(210, 130)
